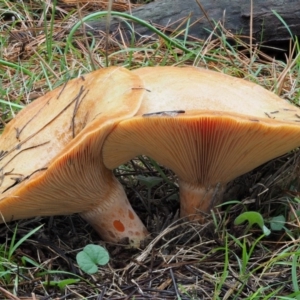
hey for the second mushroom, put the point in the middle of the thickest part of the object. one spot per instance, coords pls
(207, 127)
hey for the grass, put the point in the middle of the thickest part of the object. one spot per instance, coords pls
(183, 260)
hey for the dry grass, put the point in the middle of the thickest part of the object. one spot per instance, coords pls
(181, 260)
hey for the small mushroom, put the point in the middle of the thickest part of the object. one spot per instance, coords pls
(207, 127)
(51, 162)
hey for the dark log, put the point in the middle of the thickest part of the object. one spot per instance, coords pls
(233, 14)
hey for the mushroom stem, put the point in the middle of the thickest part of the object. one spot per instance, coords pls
(118, 221)
(195, 199)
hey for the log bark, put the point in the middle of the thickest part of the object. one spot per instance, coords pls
(233, 14)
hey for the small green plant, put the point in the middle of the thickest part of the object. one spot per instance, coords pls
(90, 257)
(61, 284)
(149, 182)
(277, 223)
(252, 217)
(9, 264)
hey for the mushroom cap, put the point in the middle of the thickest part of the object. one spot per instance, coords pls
(51, 152)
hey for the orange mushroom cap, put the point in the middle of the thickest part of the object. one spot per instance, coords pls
(207, 127)
(51, 162)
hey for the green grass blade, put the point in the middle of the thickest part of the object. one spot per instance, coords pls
(14, 246)
(101, 14)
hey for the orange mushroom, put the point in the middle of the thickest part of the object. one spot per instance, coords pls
(51, 162)
(207, 127)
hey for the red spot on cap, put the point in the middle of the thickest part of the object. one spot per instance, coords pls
(119, 225)
(131, 215)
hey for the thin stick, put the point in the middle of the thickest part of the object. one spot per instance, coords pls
(85, 38)
(251, 27)
(108, 21)
(205, 14)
